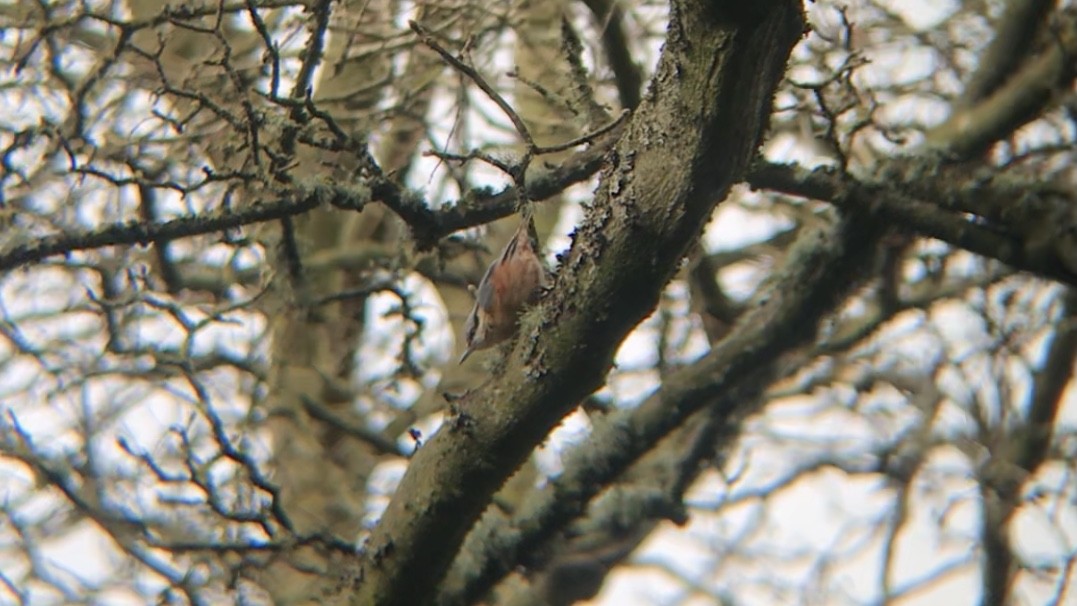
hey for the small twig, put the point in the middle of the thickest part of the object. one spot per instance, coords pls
(553, 100)
(517, 172)
(354, 293)
(583, 94)
(312, 54)
(324, 116)
(473, 155)
(481, 82)
(272, 49)
(383, 443)
(585, 138)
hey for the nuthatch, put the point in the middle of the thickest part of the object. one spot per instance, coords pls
(513, 281)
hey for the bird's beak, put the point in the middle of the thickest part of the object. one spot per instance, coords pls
(467, 352)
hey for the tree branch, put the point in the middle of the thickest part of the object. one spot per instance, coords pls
(139, 232)
(972, 129)
(478, 208)
(626, 72)
(923, 218)
(717, 76)
(822, 267)
(1017, 29)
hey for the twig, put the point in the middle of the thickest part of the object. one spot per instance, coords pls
(384, 444)
(481, 82)
(585, 138)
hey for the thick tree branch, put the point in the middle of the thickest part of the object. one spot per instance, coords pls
(972, 129)
(1016, 33)
(429, 226)
(1010, 246)
(707, 107)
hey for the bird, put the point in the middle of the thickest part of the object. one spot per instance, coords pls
(513, 281)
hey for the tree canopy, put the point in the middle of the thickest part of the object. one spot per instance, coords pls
(809, 335)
